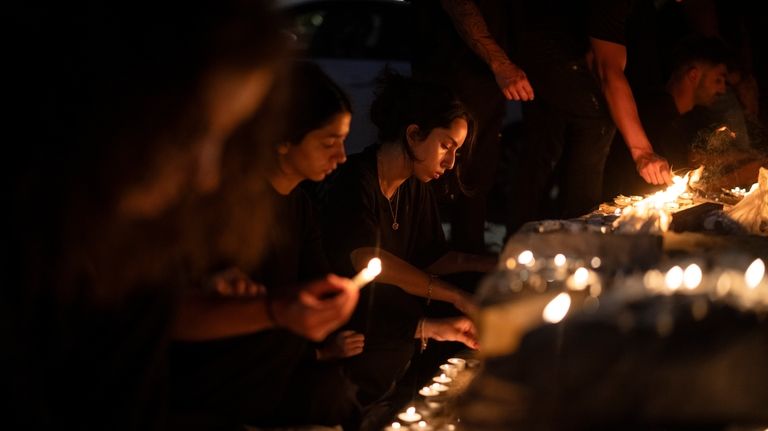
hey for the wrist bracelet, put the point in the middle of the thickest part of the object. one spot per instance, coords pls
(424, 340)
(429, 288)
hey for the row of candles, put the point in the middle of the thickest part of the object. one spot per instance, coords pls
(441, 384)
(744, 288)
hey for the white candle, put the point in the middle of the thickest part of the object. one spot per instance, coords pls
(428, 391)
(409, 415)
(442, 378)
(368, 273)
(460, 363)
(439, 387)
(450, 370)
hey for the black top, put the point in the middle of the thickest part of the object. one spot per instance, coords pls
(668, 134)
(246, 378)
(295, 253)
(358, 215)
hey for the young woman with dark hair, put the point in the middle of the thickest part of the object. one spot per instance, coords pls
(381, 205)
(272, 377)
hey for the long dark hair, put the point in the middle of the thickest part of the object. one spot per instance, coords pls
(313, 101)
(401, 101)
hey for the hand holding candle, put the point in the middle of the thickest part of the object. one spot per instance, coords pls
(368, 273)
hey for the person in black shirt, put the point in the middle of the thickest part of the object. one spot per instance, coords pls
(381, 205)
(698, 77)
(574, 55)
(269, 377)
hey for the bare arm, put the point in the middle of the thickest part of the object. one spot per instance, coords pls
(469, 22)
(400, 273)
(609, 60)
(319, 308)
(453, 262)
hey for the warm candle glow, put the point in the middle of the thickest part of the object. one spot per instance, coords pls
(560, 260)
(580, 278)
(692, 276)
(525, 258)
(368, 273)
(674, 277)
(557, 308)
(755, 273)
(396, 425)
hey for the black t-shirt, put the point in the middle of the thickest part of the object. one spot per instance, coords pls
(668, 135)
(294, 253)
(358, 215)
(245, 378)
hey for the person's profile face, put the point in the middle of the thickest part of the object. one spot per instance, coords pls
(711, 84)
(320, 151)
(437, 153)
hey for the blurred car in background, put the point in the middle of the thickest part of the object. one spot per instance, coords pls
(353, 40)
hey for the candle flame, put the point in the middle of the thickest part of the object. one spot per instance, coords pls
(560, 259)
(396, 425)
(692, 276)
(525, 258)
(410, 411)
(557, 308)
(422, 424)
(580, 278)
(755, 273)
(674, 277)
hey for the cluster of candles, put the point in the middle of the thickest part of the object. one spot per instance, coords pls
(732, 282)
(441, 383)
(653, 214)
(743, 288)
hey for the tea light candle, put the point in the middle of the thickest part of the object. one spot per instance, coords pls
(450, 370)
(442, 378)
(439, 387)
(394, 427)
(422, 426)
(428, 391)
(458, 362)
(409, 415)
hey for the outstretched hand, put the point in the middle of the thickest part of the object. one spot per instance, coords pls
(459, 329)
(653, 168)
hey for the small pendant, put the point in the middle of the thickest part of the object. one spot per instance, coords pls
(395, 226)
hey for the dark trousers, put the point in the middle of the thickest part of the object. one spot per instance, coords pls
(562, 152)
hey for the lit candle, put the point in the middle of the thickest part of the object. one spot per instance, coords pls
(409, 415)
(368, 273)
(557, 308)
(428, 391)
(422, 426)
(442, 378)
(460, 363)
(439, 387)
(394, 427)
(450, 370)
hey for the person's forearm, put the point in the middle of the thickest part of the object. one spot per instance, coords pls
(621, 104)
(400, 273)
(471, 26)
(453, 262)
(200, 319)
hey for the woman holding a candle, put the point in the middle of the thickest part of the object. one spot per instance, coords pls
(380, 205)
(266, 376)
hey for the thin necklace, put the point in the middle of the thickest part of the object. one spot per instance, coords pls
(395, 225)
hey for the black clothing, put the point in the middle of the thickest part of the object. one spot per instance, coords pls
(568, 125)
(250, 378)
(442, 56)
(359, 215)
(668, 132)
